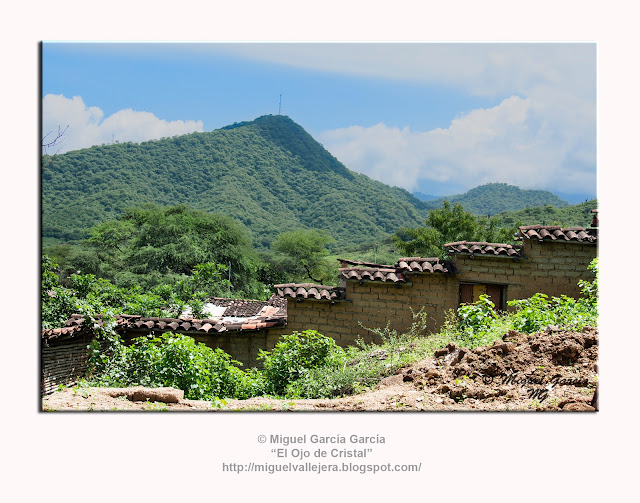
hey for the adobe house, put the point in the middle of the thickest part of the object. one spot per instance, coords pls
(239, 327)
(547, 259)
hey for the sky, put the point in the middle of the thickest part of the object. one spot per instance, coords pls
(436, 118)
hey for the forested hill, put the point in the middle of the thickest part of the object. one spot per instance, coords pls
(493, 198)
(269, 174)
(568, 216)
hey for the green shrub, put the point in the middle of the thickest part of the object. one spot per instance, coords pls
(475, 320)
(295, 355)
(536, 313)
(173, 360)
(360, 367)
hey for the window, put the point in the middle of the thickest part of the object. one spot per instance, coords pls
(470, 293)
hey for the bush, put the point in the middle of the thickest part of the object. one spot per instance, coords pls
(535, 313)
(294, 356)
(173, 360)
(362, 366)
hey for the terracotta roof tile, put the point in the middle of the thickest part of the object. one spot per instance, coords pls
(557, 233)
(484, 248)
(372, 274)
(243, 307)
(309, 291)
(347, 263)
(273, 317)
(420, 264)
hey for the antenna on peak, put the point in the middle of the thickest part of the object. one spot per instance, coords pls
(280, 106)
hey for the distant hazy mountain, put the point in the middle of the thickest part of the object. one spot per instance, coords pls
(493, 198)
(424, 197)
(578, 198)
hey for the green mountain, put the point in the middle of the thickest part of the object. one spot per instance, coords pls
(568, 216)
(493, 198)
(269, 173)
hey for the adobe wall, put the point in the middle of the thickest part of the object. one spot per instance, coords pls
(375, 304)
(243, 346)
(551, 268)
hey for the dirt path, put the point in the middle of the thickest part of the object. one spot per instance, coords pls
(552, 370)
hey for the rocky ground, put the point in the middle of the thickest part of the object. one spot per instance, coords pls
(551, 371)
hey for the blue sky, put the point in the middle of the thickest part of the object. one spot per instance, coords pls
(434, 118)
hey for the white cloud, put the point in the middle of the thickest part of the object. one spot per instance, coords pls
(494, 69)
(87, 125)
(541, 135)
(529, 142)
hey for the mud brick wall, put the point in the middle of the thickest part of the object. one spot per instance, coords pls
(550, 268)
(375, 304)
(243, 346)
(556, 268)
(63, 363)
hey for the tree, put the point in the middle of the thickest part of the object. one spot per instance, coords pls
(447, 225)
(149, 245)
(302, 254)
(49, 141)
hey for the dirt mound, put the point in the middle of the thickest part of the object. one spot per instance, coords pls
(552, 370)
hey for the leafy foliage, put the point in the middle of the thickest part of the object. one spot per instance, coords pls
(151, 245)
(492, 198)
(293, 356)
(362, 366)
(535, 313)
(88, 295)
(270, 174)
(449, 224)
(171, 360)
(475, 320)
(569, 216)
(303, 253)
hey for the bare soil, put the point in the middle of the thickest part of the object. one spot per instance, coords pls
(548, 371)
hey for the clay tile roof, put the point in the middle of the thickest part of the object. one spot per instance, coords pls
(372, 274)
(268, 317)
(421, 264)
(347, 263)
(555, 233)
(240, 307)
(484, 248)
(309, 291)
(54, 333)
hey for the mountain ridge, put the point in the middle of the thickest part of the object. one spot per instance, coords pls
(492, 198)
(269, 173)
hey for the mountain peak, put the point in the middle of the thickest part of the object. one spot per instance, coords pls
(492, 198)
(268, 173)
